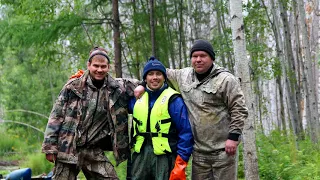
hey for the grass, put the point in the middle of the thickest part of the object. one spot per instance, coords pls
(38, 163)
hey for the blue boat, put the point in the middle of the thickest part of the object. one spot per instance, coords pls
(25, 174)
(20, 174)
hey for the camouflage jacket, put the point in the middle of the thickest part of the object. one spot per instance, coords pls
(216, 105)
(83, 111)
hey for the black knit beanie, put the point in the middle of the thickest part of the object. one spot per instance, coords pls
(154, 65)
(203, 45)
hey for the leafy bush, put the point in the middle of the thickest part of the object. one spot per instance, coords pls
(121, 169)
(281, 158)
(10, 145)
(38, 164)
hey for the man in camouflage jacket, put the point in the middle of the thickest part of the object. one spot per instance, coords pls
(89, 116)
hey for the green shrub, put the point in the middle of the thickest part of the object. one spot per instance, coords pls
(38, 164)
(281, 158)
(121, 169)
(10, 145)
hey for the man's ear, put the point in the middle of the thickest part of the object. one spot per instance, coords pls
(88, 64)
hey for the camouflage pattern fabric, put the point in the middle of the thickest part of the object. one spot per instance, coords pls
(94, 165)
(80, 119)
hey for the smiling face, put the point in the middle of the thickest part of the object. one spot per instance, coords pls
(155, 80)
(98, 67)
(201, 61)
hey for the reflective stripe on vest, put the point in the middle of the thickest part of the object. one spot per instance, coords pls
(160, 122)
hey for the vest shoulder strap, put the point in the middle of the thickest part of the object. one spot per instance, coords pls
(173, 97)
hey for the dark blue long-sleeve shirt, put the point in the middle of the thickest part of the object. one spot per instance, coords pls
(179, 115)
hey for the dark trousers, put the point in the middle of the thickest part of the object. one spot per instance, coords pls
(148, 166)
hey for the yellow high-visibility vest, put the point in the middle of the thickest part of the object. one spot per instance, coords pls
(160, 122)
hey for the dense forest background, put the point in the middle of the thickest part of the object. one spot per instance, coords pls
(43, 42)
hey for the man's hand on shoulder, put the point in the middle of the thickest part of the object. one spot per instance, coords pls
(138, 91)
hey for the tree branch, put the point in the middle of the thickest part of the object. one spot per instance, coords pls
(27, 111)
(17, 122)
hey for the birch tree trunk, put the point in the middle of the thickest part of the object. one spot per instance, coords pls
(116, 39)
(312, 20)
(300, 74)
(315, 45)
(311, 97)
(242, 70)
(289, 76)
(281, 53)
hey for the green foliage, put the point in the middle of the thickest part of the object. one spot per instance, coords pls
(28, 85)
(10, 145)
(257, 30)
(276, 66)
(26, 33)
(121, 169)
(38, 164)
(279, 158)
(241, 174)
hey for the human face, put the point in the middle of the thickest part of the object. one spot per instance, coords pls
(201, 61)
(155, 80)
(98, 67)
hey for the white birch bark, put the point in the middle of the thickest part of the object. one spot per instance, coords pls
(242, 70)
(281, 80)
(289, 76)
(312, 104)
(315, 45)
(300, 75)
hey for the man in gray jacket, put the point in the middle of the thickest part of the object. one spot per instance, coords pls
(217, 112)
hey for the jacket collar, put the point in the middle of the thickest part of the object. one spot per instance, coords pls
(214, 71)
(78, 85)
(156, 93)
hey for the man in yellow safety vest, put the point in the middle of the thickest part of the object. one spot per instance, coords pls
(162, 137)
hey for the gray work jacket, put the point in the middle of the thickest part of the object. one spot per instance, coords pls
(216, 105)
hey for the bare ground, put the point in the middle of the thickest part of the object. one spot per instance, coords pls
(9, 163)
